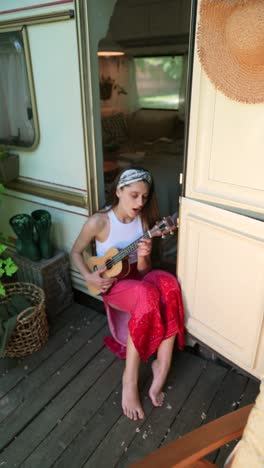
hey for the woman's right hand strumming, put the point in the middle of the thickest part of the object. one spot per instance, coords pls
(98, 282)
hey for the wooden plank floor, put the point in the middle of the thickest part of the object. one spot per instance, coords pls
(61, 408)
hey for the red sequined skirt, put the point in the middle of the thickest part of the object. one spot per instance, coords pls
(150, 308)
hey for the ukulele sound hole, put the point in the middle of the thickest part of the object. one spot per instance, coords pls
(108, 264)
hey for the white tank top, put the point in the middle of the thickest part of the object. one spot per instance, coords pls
(120, 236)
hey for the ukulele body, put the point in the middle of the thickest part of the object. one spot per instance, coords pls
(119, 270)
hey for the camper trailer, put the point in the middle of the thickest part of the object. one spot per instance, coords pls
(91, 86)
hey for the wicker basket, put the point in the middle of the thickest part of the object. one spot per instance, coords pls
(32, 329)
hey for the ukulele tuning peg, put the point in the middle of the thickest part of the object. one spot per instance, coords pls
(163, 236)
(171, 233)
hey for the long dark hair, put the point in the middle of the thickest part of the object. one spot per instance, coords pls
(149, 213)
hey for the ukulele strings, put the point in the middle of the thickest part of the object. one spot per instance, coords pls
(124, 252)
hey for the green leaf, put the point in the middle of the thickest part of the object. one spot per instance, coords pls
(2, 289)
(2, 248)
(11, 267)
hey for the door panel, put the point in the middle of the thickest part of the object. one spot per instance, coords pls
(221, 269)
(225, 149)
(220, 254)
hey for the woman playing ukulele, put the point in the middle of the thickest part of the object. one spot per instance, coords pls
(144, 310)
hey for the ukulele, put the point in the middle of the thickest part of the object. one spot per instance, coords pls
(116, 261)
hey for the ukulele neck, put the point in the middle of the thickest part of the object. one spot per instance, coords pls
(130, 248)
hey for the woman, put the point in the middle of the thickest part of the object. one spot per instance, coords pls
(144, 309)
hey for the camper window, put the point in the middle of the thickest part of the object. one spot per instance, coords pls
(159, 81)
(17, 127)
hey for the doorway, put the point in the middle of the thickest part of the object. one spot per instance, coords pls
(142, 81)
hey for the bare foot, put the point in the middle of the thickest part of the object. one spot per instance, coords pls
(130, 401)
(159, 376)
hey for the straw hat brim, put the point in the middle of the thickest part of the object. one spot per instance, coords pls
(238, 76)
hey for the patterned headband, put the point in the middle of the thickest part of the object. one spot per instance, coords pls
(133, 175)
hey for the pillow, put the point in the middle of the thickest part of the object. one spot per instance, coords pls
(115, 126)
(152, 124)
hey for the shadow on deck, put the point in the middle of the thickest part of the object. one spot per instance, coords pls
(61, 408)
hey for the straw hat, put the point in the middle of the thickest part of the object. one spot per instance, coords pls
(231, 47)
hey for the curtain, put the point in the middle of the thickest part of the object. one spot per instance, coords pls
(16, 126)
(120, 72)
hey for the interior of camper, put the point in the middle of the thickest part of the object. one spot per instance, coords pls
(142, 82)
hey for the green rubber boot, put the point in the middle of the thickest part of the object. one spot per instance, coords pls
(22, 225)
(42, 222)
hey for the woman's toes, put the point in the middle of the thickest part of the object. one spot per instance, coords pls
(160, 399)
(131, 402)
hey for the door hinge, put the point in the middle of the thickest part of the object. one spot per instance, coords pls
(180, 178)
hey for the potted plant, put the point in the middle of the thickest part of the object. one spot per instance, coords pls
(9, 166)
(107, 85)
(7, 266)
(23, 320)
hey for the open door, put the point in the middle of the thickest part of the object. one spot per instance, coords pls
(221, 255)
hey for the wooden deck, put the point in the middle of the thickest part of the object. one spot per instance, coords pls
(61, 408)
